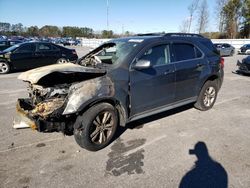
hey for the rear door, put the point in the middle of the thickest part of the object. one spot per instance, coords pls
(189, 64)
(155, 86)
(48, 54)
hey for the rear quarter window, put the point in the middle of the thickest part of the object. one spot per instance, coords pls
(209, 45)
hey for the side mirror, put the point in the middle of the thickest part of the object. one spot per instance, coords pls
(142, 64)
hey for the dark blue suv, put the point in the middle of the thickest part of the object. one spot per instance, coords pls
(121, 81)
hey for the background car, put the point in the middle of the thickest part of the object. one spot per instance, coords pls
(4, 44)
(30, 55)
(225, 49)
(244, 66)
(245, 49)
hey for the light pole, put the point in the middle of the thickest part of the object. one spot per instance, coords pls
(107, 14)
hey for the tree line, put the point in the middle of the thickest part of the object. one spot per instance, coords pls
(53, 31)
(233, 18)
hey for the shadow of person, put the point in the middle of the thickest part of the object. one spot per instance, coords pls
(206, 172)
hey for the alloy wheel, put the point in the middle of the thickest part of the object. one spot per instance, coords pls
(209, 96)
(3, 67)
(102, 127)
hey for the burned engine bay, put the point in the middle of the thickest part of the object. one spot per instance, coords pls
(49, 90)
(57, 92)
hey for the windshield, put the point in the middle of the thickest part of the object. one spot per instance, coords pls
(10, 49)
(109, 53)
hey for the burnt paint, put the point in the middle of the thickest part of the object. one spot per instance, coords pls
(121, 163)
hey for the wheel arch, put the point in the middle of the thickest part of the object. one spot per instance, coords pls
(121, 110)
(211, 78)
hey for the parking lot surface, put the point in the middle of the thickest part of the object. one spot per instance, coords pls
(179, 148)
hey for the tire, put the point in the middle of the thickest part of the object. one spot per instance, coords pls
(61, 61)
(96, 127)
(207, 96)
(4, 67)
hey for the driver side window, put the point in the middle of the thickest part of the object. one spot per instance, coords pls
(157, 55)
(28, 48)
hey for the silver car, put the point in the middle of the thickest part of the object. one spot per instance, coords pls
(225, 49)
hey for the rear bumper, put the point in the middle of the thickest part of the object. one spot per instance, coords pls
(25, 118)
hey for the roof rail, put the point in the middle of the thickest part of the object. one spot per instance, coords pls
(151, 34)
(182, 35)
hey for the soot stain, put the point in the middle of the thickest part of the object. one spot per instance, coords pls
(120, 162)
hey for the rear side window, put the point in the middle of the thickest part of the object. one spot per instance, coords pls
(44, 47)
(209, 45)
(184, 51)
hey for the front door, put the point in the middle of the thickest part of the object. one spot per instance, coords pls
(23, 56)
(153, 87)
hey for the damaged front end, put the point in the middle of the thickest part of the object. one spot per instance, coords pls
(43, 110)
(244, 66)
(49, 95)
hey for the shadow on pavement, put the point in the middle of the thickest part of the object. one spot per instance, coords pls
(206, 172)
(140, 123)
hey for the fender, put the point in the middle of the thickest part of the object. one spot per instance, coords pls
(85, 92)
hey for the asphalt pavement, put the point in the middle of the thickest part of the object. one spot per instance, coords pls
(179, 148)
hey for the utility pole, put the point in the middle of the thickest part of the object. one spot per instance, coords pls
(107, 15)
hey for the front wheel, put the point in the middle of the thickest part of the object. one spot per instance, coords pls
(207, 96)
(96, 127)
(4, 68)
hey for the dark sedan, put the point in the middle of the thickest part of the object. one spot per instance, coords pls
(245, 49)
(34, 54)
(244, 66)
(4, 44)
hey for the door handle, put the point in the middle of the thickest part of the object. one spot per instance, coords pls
(168, 71)
(199, 65)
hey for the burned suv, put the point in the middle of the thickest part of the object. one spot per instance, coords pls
(121, 81)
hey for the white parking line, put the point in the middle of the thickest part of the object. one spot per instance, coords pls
(29, 145)
(228, 100)
(7, 103)
(146, 144)
(2, 92)
(14, 75)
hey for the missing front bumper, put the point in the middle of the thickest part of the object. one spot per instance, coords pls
(24, 118)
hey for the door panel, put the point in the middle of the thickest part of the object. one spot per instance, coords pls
(189, 67)
(23, 57)
(47, 54)
(155, 86)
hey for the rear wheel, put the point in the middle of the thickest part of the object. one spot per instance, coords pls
(207, 96)
(4, 68)
(61, 61)
(96, 127)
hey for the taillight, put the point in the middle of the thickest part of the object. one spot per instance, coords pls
(222, 62)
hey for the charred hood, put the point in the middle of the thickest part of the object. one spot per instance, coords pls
(60, 74)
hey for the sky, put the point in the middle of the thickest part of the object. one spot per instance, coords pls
(138, 16)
